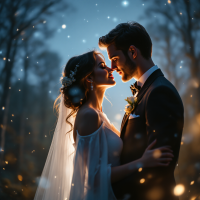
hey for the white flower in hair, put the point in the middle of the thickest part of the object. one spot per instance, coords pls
(67, 81)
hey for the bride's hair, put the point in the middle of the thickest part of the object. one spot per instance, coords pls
(76, 94)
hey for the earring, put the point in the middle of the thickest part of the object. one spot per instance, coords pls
(91, 86)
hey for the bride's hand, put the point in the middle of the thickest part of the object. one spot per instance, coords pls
(161, 156)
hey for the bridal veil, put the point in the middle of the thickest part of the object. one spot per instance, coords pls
(76, 172)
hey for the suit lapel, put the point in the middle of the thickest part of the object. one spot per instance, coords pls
(124, 120)
(141, 93)
(148, 82)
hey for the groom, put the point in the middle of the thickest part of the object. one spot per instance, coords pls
(158, 115)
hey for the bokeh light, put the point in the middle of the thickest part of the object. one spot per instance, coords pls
(179, 189)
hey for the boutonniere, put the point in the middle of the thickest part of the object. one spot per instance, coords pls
(132, 103)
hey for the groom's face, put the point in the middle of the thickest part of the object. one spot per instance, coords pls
(120, 62)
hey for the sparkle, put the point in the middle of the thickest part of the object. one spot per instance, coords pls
(29, 133)
(27, 56)
(4, 58)
(180, 13)
(33, 26)
(6, 162)
(142, 180)
(44, 22)
(9, 88)
(191, 95)
(115, 19)
(64, 26)
(20, 178)
(68, 36)
(21, 70)
(108, 17)
(179, 189)
(13, 115)
(180, 66)
(192, 182)
(169, 1)
(84, 41)
(50, 92)
(8, 60)
(11, 120)
(157, 153)
(140, 169)
(17, 29)
(125, 3)
(143, 4)
(3, 108)
(19, 90)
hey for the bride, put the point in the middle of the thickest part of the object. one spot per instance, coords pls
(84, 157)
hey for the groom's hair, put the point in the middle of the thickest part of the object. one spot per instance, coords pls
(126, 34)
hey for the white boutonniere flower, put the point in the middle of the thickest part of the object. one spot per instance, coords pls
(132, 103)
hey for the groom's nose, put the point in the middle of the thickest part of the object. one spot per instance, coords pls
(113, 65)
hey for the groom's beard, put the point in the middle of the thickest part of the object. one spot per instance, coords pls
(129, 69)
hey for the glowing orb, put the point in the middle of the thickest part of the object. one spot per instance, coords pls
(179, 190)
(125, 3)
(157, 153)
(142, 180)
(20, 178)
(64, 26)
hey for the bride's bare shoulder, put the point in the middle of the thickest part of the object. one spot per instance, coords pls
(87, 121)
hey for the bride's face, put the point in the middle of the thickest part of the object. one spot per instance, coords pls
(102, 75)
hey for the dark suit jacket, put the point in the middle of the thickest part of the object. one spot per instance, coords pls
(161, 117)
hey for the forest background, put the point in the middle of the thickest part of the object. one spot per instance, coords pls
(36, 40)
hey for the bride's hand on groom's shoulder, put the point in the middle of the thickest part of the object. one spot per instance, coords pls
(161, 156)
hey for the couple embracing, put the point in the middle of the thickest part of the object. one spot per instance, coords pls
(89, 159)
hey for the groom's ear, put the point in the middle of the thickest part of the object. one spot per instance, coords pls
(132, 51)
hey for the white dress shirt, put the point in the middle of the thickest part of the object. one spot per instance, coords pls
(146, 75)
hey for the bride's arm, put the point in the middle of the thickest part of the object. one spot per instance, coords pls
(149, 159)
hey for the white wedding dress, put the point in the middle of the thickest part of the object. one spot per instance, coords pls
(81, 170)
